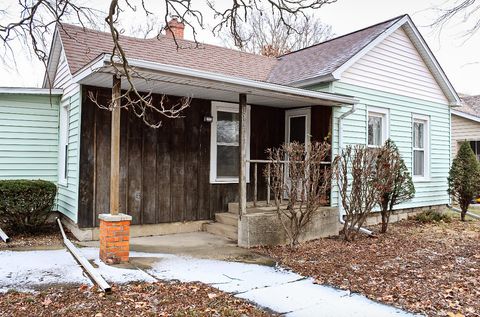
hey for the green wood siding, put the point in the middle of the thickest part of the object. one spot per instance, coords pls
(28, 137)
(68, 194)
(432, 191)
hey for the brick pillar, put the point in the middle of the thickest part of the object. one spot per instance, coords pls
(114, 238)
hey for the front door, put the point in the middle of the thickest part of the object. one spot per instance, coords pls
(297, 129)
(297, 125)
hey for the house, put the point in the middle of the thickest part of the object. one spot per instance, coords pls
(361, 88)
(466, 124)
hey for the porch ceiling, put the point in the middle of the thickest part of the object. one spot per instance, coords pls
(165, 79)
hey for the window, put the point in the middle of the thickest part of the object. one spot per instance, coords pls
(225, 142)
(377, 132)
(420, 146)
(475, 147)
(63, 144)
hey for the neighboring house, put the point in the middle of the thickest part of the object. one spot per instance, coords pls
(466, 124)
(361, 88)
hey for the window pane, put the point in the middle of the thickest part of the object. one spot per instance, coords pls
(227, 161)
(374, 130)
(297, 129)
(418, 134)
(418, 163)
(228, 127)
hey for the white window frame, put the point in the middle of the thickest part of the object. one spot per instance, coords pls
(225, 107)
(64, 134)
(426, 147)
(384, 114)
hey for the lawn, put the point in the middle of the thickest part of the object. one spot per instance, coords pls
(136, 299)
(428, 268)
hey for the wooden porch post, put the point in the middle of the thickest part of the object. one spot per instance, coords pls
(242, 179)
(114, 226)
(115, 148)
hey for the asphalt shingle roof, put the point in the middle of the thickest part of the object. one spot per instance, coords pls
(324, 58)
(83, 45)
(470, 105)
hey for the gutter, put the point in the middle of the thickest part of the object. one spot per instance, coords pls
(341, 212)
(465, 115)
(30, 91)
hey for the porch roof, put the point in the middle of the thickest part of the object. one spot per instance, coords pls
(181, 81)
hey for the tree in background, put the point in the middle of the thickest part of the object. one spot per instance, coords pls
(355, 172)
(394, 182)
(304, 179)
(466, 12)
(270, 34)
(464, 178)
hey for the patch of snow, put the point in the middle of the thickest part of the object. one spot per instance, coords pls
(232, 277)
(280, 290)
(115, 274)
(28, 270)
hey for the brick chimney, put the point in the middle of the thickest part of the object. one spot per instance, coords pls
(174, 27)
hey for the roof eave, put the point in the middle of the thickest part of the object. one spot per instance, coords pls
(466, 115)
(30, 91)
(104, 60)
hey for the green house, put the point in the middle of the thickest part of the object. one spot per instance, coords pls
(361, 88)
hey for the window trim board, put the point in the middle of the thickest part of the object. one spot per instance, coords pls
(383, 113)
(426, 165)
(226, 107)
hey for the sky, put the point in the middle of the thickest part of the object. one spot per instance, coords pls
(457, 54)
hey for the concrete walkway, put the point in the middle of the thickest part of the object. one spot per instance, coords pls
(279, 290)
(202, 245)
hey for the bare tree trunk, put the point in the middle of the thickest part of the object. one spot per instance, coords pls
(385, 220)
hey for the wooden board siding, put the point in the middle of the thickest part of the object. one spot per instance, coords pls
(395, 66)
(432, 191)
(28, 137)
(164, 172)
(463, 129)
(68, 194)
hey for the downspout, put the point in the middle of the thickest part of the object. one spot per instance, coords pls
(468, 212)
(341, 212)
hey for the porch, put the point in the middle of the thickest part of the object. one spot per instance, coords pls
(165, 174)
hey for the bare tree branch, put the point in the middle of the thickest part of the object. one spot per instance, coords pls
(37, 18)
(466, 12)
(266, 33)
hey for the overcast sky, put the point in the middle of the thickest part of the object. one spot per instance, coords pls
(458, 56)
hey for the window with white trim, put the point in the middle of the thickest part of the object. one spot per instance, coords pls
(420, 146)
(225, 142)
(64, 127)
(377, 126)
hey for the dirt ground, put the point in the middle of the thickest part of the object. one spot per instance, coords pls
(136, 299)
(47, 238)
(431, 268)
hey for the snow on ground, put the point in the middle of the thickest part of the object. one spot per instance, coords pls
(32, 269)
(280, 290)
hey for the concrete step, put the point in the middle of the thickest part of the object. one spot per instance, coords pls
(223, 230)
(227, 218)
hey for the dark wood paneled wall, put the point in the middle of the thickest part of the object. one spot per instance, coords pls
(164, 172)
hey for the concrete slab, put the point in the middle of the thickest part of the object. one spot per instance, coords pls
(202, 245)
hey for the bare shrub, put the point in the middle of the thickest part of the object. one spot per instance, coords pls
(300, 175)
(394, 182)
(355, 172)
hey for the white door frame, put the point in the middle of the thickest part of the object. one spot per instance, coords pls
(299, 112)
